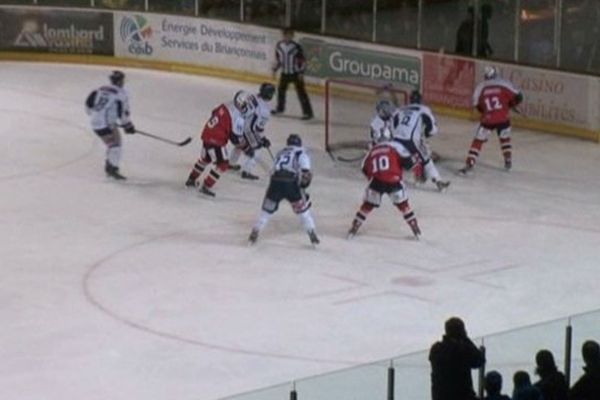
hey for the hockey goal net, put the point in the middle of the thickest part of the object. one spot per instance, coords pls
(349, 108)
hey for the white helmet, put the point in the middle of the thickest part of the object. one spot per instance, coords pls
(244, 102)
(490, 72)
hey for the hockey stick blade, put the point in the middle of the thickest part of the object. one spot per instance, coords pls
(350, 159)
(164, 140)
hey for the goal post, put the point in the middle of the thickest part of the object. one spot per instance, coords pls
(349, 108)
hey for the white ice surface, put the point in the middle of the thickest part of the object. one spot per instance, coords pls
(145, 290)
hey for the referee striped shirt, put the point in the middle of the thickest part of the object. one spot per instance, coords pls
(289, 57)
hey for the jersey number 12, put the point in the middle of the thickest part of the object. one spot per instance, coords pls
(492, 103)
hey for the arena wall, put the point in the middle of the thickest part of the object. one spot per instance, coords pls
(556, 102)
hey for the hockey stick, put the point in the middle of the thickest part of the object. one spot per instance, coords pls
(350, 159)
(270, 153)
(162, 139)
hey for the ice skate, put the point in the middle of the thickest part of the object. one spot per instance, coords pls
(441, 185)
(353, 230)
(253, 236)
(113, 172)
(206, 191)
(414, 226)
(191, 183)
(312, 235)
(234, 167)
(249, 176)
(465, 170)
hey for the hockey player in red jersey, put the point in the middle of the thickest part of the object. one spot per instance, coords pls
(226, 123)
(493, 98)
(383, 167)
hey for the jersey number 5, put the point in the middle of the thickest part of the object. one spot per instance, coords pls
(492, 103)
(381, 163)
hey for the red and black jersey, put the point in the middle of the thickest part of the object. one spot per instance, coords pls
(218, 129)
(384, 162)
(493, 99)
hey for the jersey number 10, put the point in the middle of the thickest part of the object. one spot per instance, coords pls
(381, 163)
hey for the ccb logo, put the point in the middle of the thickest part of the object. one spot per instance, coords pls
(136, 31)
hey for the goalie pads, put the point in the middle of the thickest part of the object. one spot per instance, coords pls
(305, 178)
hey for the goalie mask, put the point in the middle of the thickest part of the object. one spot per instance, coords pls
(384, 109)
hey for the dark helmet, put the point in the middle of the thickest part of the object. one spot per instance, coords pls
(266, 91)
(415, 97)
(117, 78)
(384, 109)
(493, 382)
(294, 140)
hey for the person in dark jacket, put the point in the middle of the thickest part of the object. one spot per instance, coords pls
(588, 386)
(493, 386)
(451, 360)
(552, 383)
(523, 389)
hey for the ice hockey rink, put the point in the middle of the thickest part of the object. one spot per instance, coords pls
(146, 290)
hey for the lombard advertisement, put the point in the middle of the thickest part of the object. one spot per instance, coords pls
(194, 41)
(448, 81)
(550, 97)
(56, 31)
(326, 59)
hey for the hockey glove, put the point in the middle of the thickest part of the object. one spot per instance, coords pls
(264, 142)
(305, 179)
(248, 151)
(129, 128)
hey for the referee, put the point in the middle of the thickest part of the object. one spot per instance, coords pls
(289, 56)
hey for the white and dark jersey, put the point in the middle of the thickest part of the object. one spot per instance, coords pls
(108, 107)
(289, 57)
(290, 162)
(409, 123)
(238, 120)
(378, 128)
(255, 125)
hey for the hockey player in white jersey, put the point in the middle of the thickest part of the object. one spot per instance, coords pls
(290, 177)
(108, 108)
(411, 125)
(254, 132)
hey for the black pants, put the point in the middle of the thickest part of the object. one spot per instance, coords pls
(284, 81)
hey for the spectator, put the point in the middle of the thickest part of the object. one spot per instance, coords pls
(523, 389)
(464, 35)
(588, 386)
(552, 383)
(493, 386)
(451, 362)
(483, 39)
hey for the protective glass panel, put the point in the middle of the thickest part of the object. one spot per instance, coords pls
(413, 376)
(447, 26)
(306, 15)
(499, 18)
(397, 22)
(350, 18)
(61, 3)
(585, 327)
(579, 39)
(137, 5)
(536, 37)
(265, 12)
(222, 9)
(186, 7)
(512, 351)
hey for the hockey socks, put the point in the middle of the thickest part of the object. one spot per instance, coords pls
(474, 151)
(195, 173)
(409, 217)
(506, 146)
(113, 155)
(359, 218)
